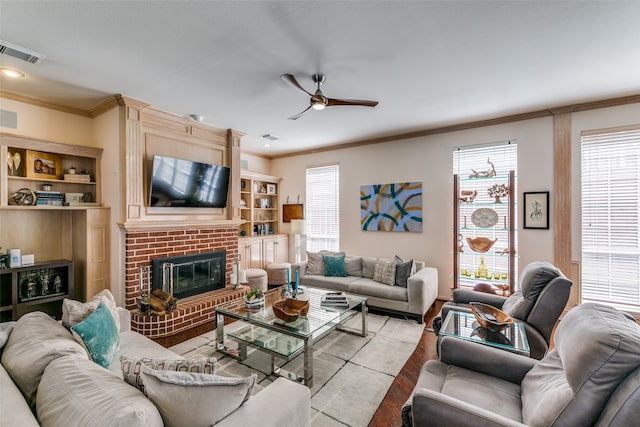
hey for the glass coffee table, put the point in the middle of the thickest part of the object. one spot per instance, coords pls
(286, 340)
(464, 325)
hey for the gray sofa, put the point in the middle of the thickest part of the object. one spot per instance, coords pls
(590, 378)
(413, 297)
(54, 383)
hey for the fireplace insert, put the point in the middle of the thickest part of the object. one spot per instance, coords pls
(187, 275)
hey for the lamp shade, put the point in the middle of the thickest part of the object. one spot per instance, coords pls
(298, 226)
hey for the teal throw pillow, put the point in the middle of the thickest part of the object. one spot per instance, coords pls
(334, 265)
(99, 334)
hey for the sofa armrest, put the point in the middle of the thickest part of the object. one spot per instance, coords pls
(432, 408)
(125, 319)
(300, 267)
(484, 359)
(465, 296)
(422, 290)
(283, 403)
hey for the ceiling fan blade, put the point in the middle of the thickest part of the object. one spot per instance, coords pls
(332, 102)
(297, 116)
(290, 80)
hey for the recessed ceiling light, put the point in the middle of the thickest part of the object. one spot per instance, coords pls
(267, 145)
(11, 73)
(196, 117)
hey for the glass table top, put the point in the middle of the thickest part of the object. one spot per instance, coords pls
(318, 320)
(464, 325)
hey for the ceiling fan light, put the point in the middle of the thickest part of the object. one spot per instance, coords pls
(318, 106)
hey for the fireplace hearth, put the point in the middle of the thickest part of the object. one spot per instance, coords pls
(187, 275)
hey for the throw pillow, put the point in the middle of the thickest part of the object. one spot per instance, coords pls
(131, 367)
(315, 264)
(334, 265)
(385, 272)
(5, 331)
(36, 340)
(73, 312)
(368, 267)
(99, 335)
(192, 399)
(78, 392)
(403, 271)
(353, 265)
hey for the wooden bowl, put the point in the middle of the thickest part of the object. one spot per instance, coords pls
(480, 244)
(490, 317)
(290, 309)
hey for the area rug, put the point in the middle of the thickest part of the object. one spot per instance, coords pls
(351, 373)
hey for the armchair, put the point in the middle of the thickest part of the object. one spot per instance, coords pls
(591, 377)
(543, 295)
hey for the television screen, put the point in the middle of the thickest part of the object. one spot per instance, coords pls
(187, 184)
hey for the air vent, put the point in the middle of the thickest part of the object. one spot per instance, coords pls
(19, 52)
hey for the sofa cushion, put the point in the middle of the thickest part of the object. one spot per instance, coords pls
(330, 283)
(533, 279)
(36, 340)
(78, 392)
(14, 410)
(353, 265)
(334, 265)
(385, 272)
(368, 267)
(131, 367)
(371, 288)
(195, 400)
(404, 269)
(596, 349)
(99, 334)
(74, 312)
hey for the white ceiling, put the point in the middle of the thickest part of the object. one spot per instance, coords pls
(428, 63)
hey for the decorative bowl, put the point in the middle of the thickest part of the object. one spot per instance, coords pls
(480, 244)
(490, 317)
(290, 309)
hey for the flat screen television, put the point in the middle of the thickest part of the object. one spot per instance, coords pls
(188, 184)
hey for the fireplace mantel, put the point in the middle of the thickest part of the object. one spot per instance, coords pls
(177, 225)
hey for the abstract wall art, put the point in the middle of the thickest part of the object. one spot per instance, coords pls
(391, 207)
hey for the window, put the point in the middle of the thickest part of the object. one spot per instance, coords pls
(610, 218)
(323, 208)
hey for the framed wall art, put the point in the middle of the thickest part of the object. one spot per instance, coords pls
(16, 158)
(292, 211)
(43, 165)
(536, 210)
(391, 207)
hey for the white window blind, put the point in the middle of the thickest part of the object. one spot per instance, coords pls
(503, 155)
(610, 218)
(323, 208)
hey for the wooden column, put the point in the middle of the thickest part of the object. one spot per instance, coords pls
(561, 219)
(233, 141)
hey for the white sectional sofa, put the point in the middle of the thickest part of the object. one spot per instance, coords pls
(50, 381)
(410, 295)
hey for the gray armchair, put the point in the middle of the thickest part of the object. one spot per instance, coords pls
(543, 295)
(590, 378)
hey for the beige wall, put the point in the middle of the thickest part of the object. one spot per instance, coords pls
(429, 160)
(256, 164)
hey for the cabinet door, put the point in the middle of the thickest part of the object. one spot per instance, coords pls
(251, 252)
(282, 249)
(275, 249)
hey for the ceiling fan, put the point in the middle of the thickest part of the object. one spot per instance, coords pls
(318, 101)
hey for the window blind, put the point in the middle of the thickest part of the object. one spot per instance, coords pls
(323, 207)
(610, 218)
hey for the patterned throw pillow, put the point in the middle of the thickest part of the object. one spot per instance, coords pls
(404, 269)
(334, 265)
(131, 367)
(74, 312)
(385, 272)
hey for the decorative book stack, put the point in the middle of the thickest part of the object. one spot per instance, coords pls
(335, 299)
(77, 177)
(49, 198)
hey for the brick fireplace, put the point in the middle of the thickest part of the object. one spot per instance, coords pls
(193, 315)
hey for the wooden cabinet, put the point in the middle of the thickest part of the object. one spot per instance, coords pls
(40, 287)
(258, 252)
(259, 204)
(78, 232)
(484, 232)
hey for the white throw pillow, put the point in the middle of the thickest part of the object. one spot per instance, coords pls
(131, 367)
(36, 340)
(187, 399)
(80, 393)
(74, 312)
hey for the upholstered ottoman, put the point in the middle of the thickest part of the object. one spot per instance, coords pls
(277, 273)
(257, 278)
